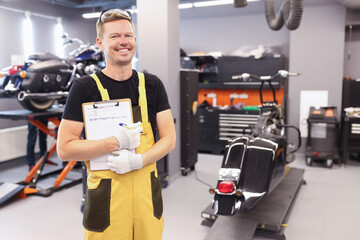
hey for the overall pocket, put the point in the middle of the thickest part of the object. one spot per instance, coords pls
(97, 207)
(136, 114)
(156, 195)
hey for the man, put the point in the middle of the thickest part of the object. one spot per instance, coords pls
(123, 202)
(31, 140)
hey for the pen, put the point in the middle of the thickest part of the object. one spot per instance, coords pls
(126, 126)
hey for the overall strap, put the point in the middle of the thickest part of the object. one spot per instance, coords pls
(142, 97)
(103, 92)
(142, 94)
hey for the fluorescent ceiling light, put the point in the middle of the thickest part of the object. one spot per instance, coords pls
(91, 15)
(28, 37)
(185, 5)
(217, 2)
(181, 6)
(213, 3)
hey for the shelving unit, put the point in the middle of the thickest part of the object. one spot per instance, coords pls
(350, 124)
(221, 72)
(208, 70)
(219, 75)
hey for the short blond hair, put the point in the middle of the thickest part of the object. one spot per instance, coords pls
(113, 17)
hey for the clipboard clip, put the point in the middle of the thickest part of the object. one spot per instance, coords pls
(116, 104)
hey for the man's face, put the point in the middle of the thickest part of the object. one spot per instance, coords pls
(118, 42)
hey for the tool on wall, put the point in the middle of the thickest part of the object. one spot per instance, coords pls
(349, 50)
(213, 96)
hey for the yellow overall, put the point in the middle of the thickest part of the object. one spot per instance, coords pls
(125, 206)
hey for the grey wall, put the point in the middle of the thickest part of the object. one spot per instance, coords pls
(226, 29)
(352, 53)
(352, 45)
(11, 41)
(315, 49)
(317, 52)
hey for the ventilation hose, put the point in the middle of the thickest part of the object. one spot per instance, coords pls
(290, 14)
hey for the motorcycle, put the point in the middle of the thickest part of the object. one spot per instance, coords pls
(45, 77)
(254, 164)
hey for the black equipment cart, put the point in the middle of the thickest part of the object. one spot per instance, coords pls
(323, 149)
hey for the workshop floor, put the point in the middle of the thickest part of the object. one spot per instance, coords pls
(326, 208)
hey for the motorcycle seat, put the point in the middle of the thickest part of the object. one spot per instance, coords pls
(43, 56)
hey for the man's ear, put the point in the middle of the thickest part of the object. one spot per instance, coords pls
(99, 44)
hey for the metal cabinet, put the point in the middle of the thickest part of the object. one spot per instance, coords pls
(216, 127)
(234, 124)
(189, 116)
(350, 124)
(350, 136)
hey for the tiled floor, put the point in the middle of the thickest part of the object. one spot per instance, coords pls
(327, 207)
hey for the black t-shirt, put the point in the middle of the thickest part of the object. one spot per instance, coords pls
(84, 90)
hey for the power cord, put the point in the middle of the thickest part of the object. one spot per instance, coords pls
(203, 182)
(299, 137)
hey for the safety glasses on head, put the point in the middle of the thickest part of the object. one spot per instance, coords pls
(108, 12)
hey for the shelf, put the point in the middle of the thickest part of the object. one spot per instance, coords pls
(202, 58)
(219, 71)
(209, 85)
(208, 73)
(248, 85)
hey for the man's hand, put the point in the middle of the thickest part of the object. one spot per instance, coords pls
(124, 161)
(129, 136)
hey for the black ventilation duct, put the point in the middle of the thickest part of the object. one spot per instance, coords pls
(240, 3)
(290, 14)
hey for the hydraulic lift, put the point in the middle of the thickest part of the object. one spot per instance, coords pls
(267, 219)
(29, 184)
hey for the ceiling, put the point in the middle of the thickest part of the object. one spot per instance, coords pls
(105, 4)
(93, 4)
(352, 4)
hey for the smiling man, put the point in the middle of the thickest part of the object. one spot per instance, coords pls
(125, 201)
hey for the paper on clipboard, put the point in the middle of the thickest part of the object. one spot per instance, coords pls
(101, 120)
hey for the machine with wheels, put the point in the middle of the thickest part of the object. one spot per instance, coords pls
(324, 149)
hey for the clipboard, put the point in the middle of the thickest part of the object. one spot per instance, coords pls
(100, 121)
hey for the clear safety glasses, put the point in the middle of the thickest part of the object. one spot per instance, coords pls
(108, 12)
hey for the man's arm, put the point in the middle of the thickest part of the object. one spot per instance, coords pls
(167, 138)
(70, 146)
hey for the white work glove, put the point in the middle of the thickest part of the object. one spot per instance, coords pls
(124, 161)
(128, 136)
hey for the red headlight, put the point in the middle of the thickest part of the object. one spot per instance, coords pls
(226, 187)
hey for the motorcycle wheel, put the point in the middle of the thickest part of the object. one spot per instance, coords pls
(37, 105)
